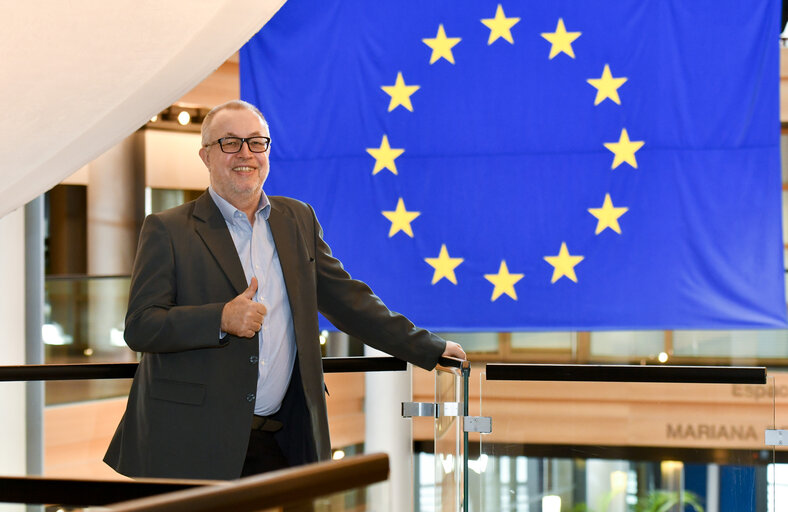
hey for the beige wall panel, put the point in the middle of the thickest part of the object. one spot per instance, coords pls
(76, 437)
(345, 408)
(172, 161)
(220, 86)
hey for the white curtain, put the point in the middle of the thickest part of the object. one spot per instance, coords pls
(78, 76)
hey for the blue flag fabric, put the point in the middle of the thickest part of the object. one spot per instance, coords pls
(536, 166)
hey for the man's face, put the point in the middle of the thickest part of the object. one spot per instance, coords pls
(237, 177)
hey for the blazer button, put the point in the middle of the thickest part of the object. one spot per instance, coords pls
(253, 359)
(250, 397)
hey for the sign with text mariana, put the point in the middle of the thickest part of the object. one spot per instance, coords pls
(489, 165)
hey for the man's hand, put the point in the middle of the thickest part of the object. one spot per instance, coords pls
(242, 316)
(454, 350)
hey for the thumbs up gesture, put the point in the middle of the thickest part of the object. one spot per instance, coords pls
(242, 316)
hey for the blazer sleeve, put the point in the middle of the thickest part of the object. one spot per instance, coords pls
(154, 321)
(352, 306)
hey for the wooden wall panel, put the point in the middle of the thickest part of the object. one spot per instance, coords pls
(623, 414)
(76, 437)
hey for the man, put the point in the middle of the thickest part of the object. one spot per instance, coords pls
(223, 304)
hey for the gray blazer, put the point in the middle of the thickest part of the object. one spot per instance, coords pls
(190, 406)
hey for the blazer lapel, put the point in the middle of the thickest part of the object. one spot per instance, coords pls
(210, 226)
(293, 258)
(283, 229)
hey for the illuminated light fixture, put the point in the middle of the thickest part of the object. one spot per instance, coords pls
(662, 357)
(184, 118)
(53, 334)
(618, 481)
(88, 352)
(154, 118)
(671, 466)
(338, 455)
(551, 503)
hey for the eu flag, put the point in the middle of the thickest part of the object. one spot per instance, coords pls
(536, 165)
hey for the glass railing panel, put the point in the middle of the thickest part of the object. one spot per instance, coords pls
(83, 323)
(447, 485)
(777, 474)
(76, 436)
(372, 498)
(624, 446)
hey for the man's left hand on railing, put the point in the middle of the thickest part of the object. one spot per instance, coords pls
(454, 350)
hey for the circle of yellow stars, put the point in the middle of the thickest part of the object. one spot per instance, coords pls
(623, 150)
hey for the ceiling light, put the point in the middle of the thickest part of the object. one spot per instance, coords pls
(184, 118)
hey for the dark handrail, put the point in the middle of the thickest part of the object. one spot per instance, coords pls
(628, 373)
(363, 364)
(79, 371)
(289, 486)
(453, 362)
(79, 492)
(85, 277)
(74, 371)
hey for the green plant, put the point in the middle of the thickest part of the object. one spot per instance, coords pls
(662, 501)
(657, 500)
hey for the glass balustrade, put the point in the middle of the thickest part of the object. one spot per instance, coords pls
(627, 447)
(354, 500)
(448, 440)
(777, 473)
(83, 323)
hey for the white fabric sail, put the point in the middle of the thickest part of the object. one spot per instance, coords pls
(79, 76)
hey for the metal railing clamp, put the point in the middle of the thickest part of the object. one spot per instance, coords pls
(481, 424)
(429, 409)
(776, 437)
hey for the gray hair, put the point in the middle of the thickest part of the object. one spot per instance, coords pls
(232, 105)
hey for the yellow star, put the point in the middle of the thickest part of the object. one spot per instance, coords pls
(444, 266)
(500, 26)
(400, 219)
(441, 46)
(503, 281)
(563, 264)
(561, 40)
(400, 93)
(384, 156)
(607, 86)
(608, 216)
(624, 149)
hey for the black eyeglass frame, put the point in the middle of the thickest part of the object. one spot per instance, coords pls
(240, 147)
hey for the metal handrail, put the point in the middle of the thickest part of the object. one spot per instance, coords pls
(80, 371)
(627, 373)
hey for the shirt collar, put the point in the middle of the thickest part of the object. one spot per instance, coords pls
(229, 211)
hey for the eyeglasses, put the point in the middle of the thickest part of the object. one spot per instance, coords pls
(258, 144)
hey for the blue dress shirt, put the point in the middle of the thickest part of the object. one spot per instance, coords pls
(259, 258)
